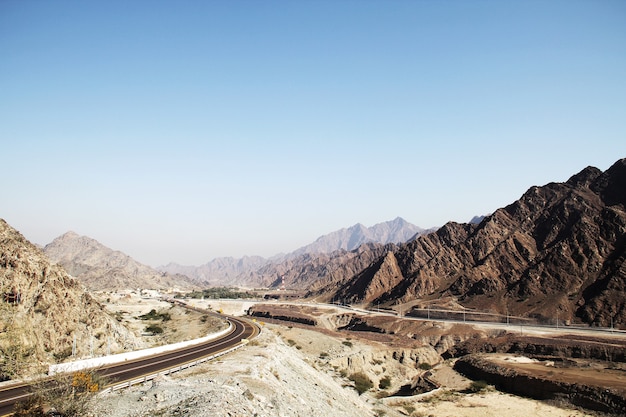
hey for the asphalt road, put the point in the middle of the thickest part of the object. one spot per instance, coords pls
(150, 365)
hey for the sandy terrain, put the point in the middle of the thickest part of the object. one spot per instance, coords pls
(292, 371)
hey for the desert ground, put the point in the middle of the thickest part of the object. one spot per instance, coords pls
(292, 370)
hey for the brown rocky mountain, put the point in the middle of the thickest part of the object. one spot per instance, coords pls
(317, 270)
(558, 251)
(258, 271)
(44, 311)
(101, 268)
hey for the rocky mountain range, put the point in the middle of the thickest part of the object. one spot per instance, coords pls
(348, 239)
(258, 271)
(44, 312)
(101, 268)
(557, 252)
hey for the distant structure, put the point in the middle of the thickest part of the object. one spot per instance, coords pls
(282, 286)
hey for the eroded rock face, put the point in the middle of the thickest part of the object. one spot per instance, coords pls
(559, 250)
(53, 308)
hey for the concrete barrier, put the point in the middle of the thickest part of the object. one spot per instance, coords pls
(122, 357)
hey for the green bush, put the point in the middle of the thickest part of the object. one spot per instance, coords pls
(384, 383)
(362, 383)
(154, 329)
(153, 315)
(425, 366)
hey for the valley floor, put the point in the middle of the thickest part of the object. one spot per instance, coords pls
(292, 371)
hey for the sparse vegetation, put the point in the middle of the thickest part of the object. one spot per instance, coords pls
(66, 395)
(154, 329)
(219, 292)
(362, 383)
(384, 383)
(154, 315)
(478, 386)
(347, 343)
(425, 366)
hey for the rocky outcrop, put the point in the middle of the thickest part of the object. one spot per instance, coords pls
(600, 398)
(285, 313)
(101, 268)
(610, 350)
(45, 311)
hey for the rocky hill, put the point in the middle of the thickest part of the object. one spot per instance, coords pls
(258, 271)
(557, 252)
(44, 311)
(101, 268)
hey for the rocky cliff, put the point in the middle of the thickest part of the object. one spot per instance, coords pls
(44, 311)
(101, 268)
(556, 253)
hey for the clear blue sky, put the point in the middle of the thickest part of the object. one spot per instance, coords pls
(188, 130)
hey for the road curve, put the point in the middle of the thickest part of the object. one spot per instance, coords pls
(149, 365)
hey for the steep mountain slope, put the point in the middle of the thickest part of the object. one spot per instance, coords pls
(44, 310)
(558, 251)
(255, 270)
(101, 268)
(312, 271)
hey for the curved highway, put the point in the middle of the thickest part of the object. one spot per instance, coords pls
(150, 365)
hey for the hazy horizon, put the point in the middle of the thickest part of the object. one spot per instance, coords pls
(186, 131)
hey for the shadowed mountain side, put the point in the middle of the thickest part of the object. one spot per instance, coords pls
(312, 271)
(557, 251)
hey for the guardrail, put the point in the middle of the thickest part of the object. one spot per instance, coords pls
(146, 378)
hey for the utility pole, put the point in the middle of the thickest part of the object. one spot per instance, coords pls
(74, 346)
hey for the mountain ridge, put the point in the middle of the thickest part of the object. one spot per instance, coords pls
(254, 270)
(559, 250)
(99, 267)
